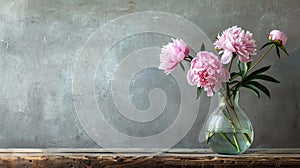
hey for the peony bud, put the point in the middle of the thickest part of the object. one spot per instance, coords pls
(278, 37)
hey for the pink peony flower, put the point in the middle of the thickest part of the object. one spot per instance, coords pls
(235, 40)
(207, 71)
(278, 36)
(172, 54)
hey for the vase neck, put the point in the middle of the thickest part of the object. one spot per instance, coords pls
(229, 97)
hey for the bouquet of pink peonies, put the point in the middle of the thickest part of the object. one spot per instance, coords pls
(208, 71)
(228, 129)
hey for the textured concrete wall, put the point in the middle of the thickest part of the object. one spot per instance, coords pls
(55, 77)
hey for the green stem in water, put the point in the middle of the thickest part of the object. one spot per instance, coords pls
(236, 142)
(210, 134)
(234, 130)
(261, 58)
(229, 141)
(238, 121)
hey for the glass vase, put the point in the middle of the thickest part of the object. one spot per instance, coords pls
(228, 129)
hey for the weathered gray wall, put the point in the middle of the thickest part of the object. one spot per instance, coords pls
(40, 48)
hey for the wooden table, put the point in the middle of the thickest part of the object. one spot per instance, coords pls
(146, 158)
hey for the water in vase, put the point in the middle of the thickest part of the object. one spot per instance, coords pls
(229, 142)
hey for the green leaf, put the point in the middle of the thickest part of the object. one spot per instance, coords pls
(284, 50)
(188, 58)
(277, 51)
(266, 78)
(235, 88)
(261, 70)
(233, 82)
(181, 65)
(199, 90)
(253, 89)
(256, 72)
(261, 87)
(202, 47)
(268, 43)
(234, 75)
(249, 64)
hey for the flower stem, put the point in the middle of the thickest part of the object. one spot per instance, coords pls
(230, 64)
(229, 141)
(234, 129)
(236, 142)
(239, 123)
(261, 58)
(231, 105)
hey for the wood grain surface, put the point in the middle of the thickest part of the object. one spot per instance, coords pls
(87, 158)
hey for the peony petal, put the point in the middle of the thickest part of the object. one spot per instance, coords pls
(217, 86)
(226, 57)
(225, 75)
(278, 36)
(209, 92)
(172, 54)
(189, 78)
(245, 59)
(207, 71)
(235, 40)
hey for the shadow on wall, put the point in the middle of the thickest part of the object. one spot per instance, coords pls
(277, 120)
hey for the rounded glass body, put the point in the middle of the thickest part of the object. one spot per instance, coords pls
(228, 129)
